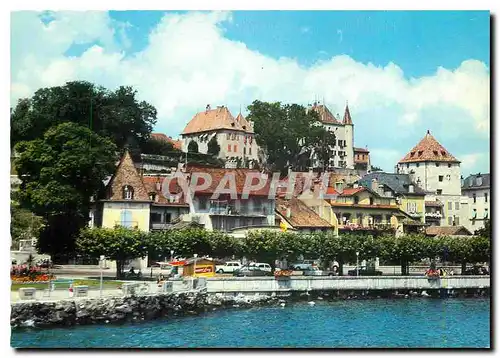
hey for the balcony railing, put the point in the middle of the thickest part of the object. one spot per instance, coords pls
(160, 226)
(436, 215)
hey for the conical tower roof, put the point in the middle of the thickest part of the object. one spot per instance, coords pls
(428, 150)
(347, 115)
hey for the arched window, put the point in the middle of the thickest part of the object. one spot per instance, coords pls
(128, 192)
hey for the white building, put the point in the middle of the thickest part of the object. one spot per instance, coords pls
(235, 136)
(437, 172)
(476, 188)
(343, 155)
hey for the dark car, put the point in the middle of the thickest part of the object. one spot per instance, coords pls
(364, 272)
(251, 271)
(477, 270)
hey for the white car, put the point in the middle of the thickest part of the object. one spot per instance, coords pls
(230, 266)
(262, 265)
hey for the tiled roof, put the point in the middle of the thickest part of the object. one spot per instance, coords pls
(126, 174)
(477, 181)
(301, 214)
(325, 115)
(352, 191)
(211, 120)
(428, 149)
(244, 123)
(164, 138)
(361, 150)
(154, 184)
(217, 175)
(347, 116)
(446, 230)
(399, 183)
(364, 206)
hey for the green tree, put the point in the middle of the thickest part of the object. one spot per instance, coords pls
(24, 225)
(193, 147)
(376, 169)
(213, 147)
(405, 249)
(117, 115)
(470, 249)
(119, 244)
(289, 135)
(60, 172)
(157, 147)
(484, 231)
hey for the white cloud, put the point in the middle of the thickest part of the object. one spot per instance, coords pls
(188, 63)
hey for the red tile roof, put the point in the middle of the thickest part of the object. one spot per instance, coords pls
(447, 231)
(164, 138)
(244, 123)
(126, 175)
(301, 215)
(212, 120)
(433, 203)
(325, 115)
(428, 149)
(217, 175)
(347, 116)
(352, 191)
(154, 184)
(361, 150)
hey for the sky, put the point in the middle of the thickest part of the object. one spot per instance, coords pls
(403, 73)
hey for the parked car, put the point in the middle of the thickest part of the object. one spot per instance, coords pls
(229, 266)
(477, 270)
(364, 272)
(314, 271)
(301, 267)
(262, 265)
(251, 271)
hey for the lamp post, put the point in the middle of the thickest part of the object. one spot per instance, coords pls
(171, 255)
(357, 263)
(101, 260)
(194, 268)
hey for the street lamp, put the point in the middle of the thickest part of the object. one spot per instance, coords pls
(171, 255)
(101, 260)
(194, 268)
(357, 263)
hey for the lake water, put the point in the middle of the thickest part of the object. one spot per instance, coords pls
(340, 324)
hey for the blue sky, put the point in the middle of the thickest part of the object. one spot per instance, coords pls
(402, 72)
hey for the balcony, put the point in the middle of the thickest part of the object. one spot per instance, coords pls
(160, 226)
(416, 215)
(435, 215)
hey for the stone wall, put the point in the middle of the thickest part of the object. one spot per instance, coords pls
(123, 309)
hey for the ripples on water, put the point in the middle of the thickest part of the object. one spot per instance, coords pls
(342, 324)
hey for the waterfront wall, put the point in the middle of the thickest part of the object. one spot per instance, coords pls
(123, 309)
(324, 283)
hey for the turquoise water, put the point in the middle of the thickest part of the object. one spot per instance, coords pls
(341, 324)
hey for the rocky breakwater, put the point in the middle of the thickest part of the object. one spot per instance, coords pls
(106, 310)
(124, 309)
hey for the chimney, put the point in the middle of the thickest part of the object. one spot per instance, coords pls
(158, 184)
(207, 108)
(411, 188)
(374, 186)
(288, 212)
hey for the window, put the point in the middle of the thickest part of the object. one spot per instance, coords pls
(250, 151)
(407, 165)
(437, 164)
(450, 221)
(448, 177)
(485, 197)
(244, 151)
(457, 220)
(235, 148)
(449, 165)
(126, 218)
(128, 192)
(440, 178)
(486, 213)
(202, 203)
(152, 196)
(228, 136)
(436, 154)
(412, 154)
(450, 205)
(356, 200)
(457, 205)
(371, 201)
(229, 147)
(168, 217)
(155, 217)
(418, 165)
(474, 198)
(439, 191)
(420, 153)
